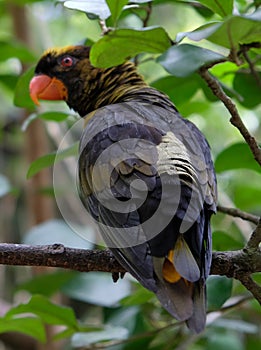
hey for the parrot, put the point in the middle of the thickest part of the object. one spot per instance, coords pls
(145, 175)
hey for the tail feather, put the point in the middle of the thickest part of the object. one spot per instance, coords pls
(198, 319)
(184, 300)
(176, 297)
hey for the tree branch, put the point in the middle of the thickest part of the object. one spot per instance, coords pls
(255, 239)
(231, 107)
(57, 255)
(238, 213)
(239, 264)
(223, 263)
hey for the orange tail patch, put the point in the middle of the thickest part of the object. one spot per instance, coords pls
(169, 272)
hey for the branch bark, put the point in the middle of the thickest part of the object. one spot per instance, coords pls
(239, 214)
(228, 263)
(235, 119)
(238, 264)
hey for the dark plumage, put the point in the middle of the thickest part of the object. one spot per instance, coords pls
(145, 175)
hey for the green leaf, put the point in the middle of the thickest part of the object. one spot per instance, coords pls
(9, 80)
(185, 59)
(224, 241)
(47, 116)
(115, 7)
(54, 116)
(247, 196)
(225, 340)
(49, 159)
(41, 163)
(221, 7)
(98, 8)
(109, 333)
(47, 284)
(48, 312)
(248, 88)
(237, 325)
(5, 186)
(31, 326)
(141, 296)
(121, 44)
(97, 288)
(236, 156)
(58, 231)
(17, 50)
(234, 31)
(180, 90)
(21, 95)
(219, 289)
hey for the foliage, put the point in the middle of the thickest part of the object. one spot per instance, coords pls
(170, 41)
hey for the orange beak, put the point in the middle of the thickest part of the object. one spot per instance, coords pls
(47, 88)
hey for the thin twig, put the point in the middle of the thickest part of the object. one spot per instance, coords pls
(104, 28)
(255, 239)
(251, 66)
(238, 213)
(251, 285)
(145, 21)
(231, 107)
(148, 14)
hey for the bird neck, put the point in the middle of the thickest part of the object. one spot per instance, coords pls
(113, 85)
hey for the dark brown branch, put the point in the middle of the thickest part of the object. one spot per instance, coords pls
(239, 264)
(255, 239)
(251, 285)
(231, 107)
(148, 14)
(56, 255)
(238, 213)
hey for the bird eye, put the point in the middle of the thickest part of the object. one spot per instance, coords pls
(67, 61)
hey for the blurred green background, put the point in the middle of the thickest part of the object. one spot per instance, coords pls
(122, 315)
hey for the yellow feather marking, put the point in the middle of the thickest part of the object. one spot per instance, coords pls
(59, 50)
(169, 272)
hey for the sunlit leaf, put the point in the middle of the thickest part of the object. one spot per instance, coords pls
(49, 159)
(119, 45)
(116, 7)
(185, 59)
(235, 30)
(31, 326)
(48, 312)
(221, 7)
(21, 95)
